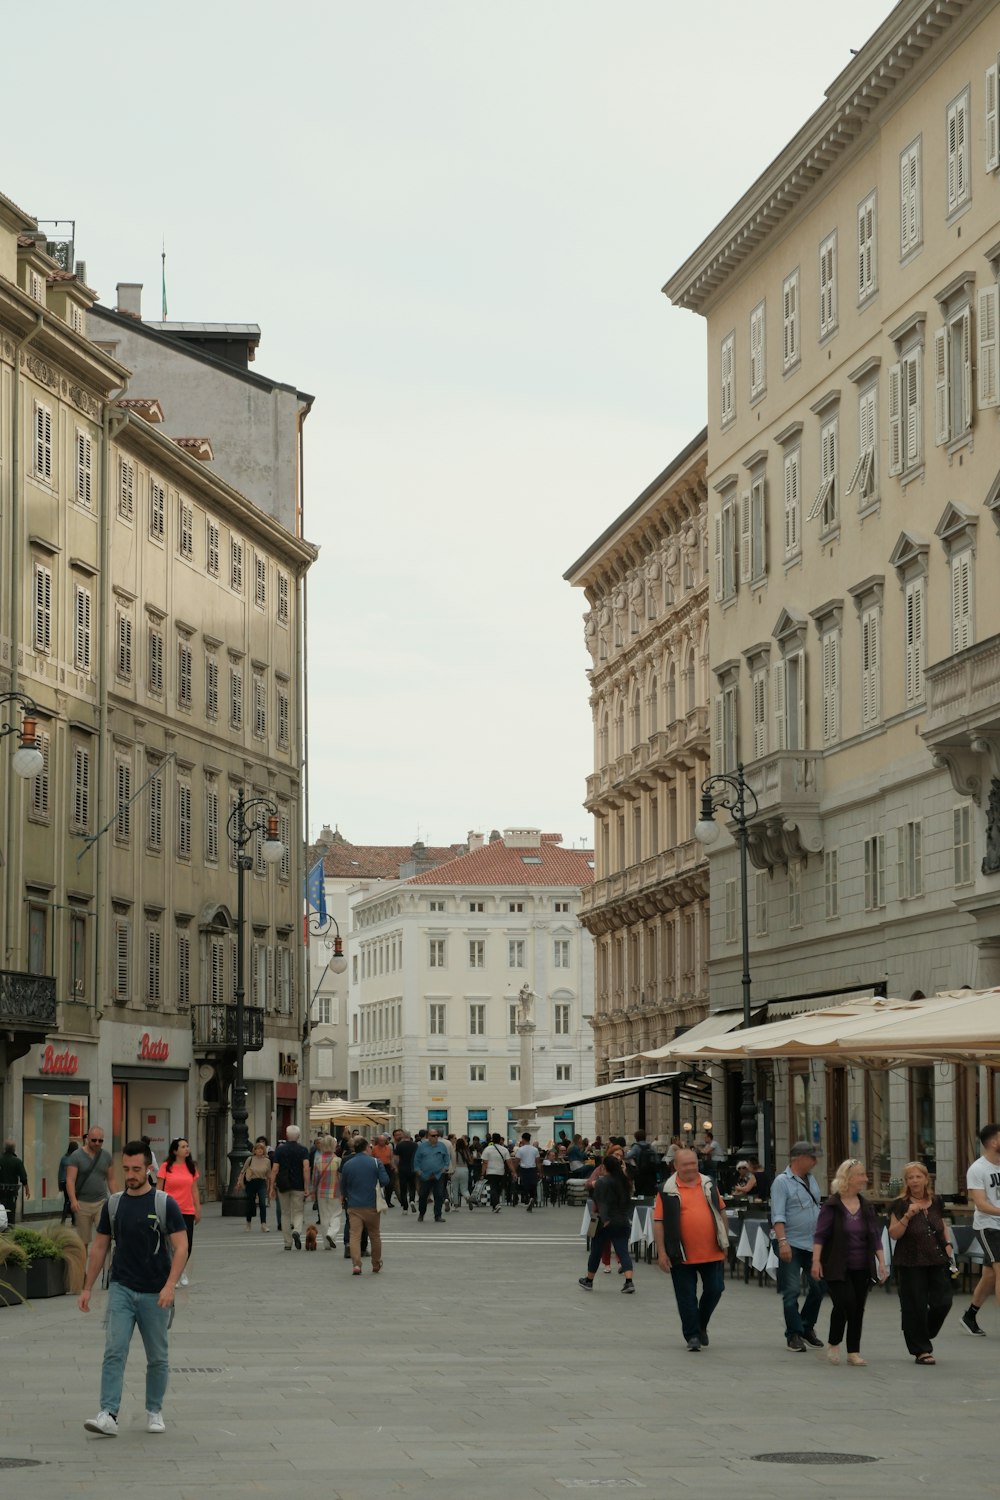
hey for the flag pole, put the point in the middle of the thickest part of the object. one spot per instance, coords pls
(163, 283)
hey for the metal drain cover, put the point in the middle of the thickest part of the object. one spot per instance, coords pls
(20, 1463)
(813, 1458)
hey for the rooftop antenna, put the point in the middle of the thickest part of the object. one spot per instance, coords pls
(163, 281)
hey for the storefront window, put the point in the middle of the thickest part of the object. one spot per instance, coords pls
(922, 1123)
(51, 1121)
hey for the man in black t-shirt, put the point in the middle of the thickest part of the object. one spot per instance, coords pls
(290, 1177)
(150, 1253)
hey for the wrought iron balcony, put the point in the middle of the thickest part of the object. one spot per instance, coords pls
(27, 1002)
(214, 1028)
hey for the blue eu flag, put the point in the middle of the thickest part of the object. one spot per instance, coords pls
(316, 891)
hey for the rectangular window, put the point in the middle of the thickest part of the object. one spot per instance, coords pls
(41, 633)
(987, 347)
(81, 789)
(81, 628)
(157, 510)
(564, 1072)
(730, 910)
(905, 413)
(828, 286)
(283, 980)
(758, 352)
(235, 698)
(183, 969)
(436, 1073)
(561, 1018)
(515, 953)
(830, 649)
(477, 1019)
(831, 884)
(962, 632)
(123, 800)
(760, 883)
(758, 688)
(910, 861)
(282, 708)
(236, 565)
(212, 548)
(727, 378)
(958, 176)
(185, 539)
(726, 729)
(84, 469)
(153, 965)
(126, 489)
(123, 959)
(990, 118)
(515, 1073)
(123, 661)
(260, 581)
(867, 249)
(914, 654)
(39, 787)
(560, 953)
(512, 1020)
(211, 685)
(560, 906)
(183, 820)
(790, 320)
(184, 671)
(259, 707)
(435, 906)
(517, 906)
(211, 824)
(437, 1018)
(283, 598)
(42, 447)
(865, 479)
(758, 529)
(911, 218)
(154, 665)
(953, 377)
(436, 953)
(794, 893)
(476, 906)
(477, 1072)
(154, 815)
(477, 953)
(792, 503)
(962, 844)
(871, 668)
(825, 505)
(727, 542)
(875, 872)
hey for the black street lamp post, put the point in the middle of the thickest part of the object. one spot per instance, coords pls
(248, 818)
(729, 793)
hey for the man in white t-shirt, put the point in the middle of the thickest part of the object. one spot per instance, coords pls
(983, 1183)
(528, 1157)
(496, 1160)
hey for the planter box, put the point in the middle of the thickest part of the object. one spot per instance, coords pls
(13, 1285)
(45, 1279)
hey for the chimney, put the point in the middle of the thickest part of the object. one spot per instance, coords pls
(130, 298)
(81, 271)
(474, 840)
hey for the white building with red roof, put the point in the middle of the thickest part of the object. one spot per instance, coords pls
(438, 961)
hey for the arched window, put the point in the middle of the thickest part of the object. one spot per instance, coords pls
(620, 729)
(602, 740)
(689, 681)
(654, 706)
(636, 716)
(672, 693)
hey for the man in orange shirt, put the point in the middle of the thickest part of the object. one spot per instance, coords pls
(692, 1238)
(382, 1151)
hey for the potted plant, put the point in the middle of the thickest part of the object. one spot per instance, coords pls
(13, 1273)
(72, 1252)
(45, 1272)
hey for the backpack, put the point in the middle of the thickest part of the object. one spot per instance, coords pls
(643, 1167)
(161, 1214)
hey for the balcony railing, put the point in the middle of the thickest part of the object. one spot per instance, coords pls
(27, 1002)
(652, 873)
(214, 1027)
(788, 785)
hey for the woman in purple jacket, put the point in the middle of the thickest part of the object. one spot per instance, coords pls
(846, 1250)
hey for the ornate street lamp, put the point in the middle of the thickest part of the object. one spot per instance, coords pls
(248, 818)
(27, 759)
(730, 793)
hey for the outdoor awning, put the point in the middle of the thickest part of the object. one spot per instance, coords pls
(778, 1010)
(346, 1112)
(716, 1025)
(604, 1091)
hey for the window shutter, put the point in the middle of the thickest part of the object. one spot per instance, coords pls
(952, 158)
(988, 352)
(912, 398)
(760, 714)
(719, 758)
(961, 602)
(992, 144)
(799, 706)
(961, 145)
(895, 419)
(745, 537)
(965, 341)
(942, 415)
(756, 351)
(791, 503)
(831, 686)
(778, 689)
(914, 667)
(717, 520)
(871, 683)
(758, 528)
(81, 789)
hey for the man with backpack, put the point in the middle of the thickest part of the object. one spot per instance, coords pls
(150, 1242)
(643, 1164)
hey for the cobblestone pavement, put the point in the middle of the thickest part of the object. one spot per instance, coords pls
(474, 1368)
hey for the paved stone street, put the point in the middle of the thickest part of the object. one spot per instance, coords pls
(475, 1367)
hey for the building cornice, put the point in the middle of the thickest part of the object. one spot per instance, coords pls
(854, 101)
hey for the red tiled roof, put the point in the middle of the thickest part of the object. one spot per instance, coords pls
(495, 864)
(143, 406)
(343, 860)
(200, 447)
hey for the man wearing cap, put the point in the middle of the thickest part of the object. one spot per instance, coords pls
(795, 1202)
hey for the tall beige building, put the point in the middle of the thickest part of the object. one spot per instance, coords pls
(646, 584)
(851, 308)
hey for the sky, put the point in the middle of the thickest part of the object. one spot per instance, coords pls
(452, 220)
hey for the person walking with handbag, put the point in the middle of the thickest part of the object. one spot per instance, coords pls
(922, 1258)
(361, 1178)
(179, 1177)
(90, 1180)
(254, 1179)
(496, 1165)
(846, 1249)
(326, 1186)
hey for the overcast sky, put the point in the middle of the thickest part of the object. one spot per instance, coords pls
(452, 222)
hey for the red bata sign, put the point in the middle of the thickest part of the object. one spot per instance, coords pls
(150, 1051)
(65, 1063)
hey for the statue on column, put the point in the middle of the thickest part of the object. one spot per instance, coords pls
(991, 862)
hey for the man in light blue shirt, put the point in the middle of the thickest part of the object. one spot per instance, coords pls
(432, 1163)
(795, 1201)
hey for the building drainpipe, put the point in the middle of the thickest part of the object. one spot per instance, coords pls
(301, 674)
(12, 926)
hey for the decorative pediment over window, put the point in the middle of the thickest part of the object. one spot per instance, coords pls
(992, 501)
(790, 629)
(909, 556)
(956, 528)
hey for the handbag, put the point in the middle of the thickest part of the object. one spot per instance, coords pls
(381, 1206)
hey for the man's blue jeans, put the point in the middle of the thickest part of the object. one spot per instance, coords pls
(432, 1186)
(696, 1312)
(128, 1310)
(790, 1285)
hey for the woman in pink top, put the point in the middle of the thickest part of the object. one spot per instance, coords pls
(179, 1177)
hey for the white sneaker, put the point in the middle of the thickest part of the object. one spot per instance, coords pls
(104, 1423)
(154, 1422)
(184, 1279)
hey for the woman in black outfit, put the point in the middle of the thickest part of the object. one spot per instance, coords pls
(922, 1257)
(846, 1249)
(613, 1198)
